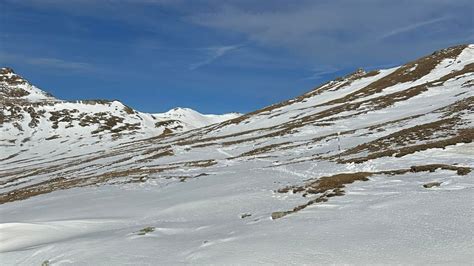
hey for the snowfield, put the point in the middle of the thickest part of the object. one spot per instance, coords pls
(370, 168)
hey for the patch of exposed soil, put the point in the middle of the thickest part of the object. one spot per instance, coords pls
(202, 163)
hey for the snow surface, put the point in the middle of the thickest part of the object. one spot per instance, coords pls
(389, 219)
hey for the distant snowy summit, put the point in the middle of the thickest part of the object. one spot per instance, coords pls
(31, 114)
(193, 118)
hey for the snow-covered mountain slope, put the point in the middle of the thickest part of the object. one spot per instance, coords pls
(372, 167)
(14, 87)
(190, 119)
(30, 118)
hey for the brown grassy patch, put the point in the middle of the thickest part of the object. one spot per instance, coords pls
(326, 183)
(263, 149)
(166, 123)
(202, 163)
(332, 186)
(336, 181)
(433, 167)
(157, 155)
(166, 132)
(406, 136)
(464, 105)
(61, 183)
(128, 110)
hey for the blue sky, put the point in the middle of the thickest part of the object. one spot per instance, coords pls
(216, 56)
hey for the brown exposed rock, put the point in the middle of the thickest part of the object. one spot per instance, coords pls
(432, 184)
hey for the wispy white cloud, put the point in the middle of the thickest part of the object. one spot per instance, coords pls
(213, 54)
(412, 27)
(47, 62)
(312, 30)
(324, 32)
(59, 63)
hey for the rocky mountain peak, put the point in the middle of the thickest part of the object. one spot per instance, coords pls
(8, 76)
(14, 87)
